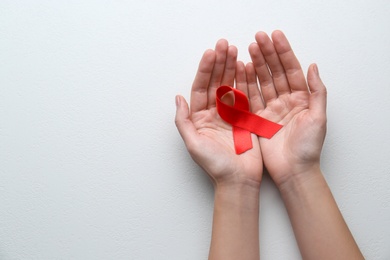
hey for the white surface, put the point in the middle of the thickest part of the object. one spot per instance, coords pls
(91, 165)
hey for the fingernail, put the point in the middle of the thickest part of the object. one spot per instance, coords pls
(315, 67)
(177, 101)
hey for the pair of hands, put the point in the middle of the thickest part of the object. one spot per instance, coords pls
(284, 97)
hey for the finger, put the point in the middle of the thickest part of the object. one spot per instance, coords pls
(272, 58)
(266, 83)
(255, 99)
(183, 122)
(221, 54)
(292, 67)
(202, 80)
(317, 102)
(230, 67)
(241, 83)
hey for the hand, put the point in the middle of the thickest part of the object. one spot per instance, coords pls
(288, 100)
(208, 138)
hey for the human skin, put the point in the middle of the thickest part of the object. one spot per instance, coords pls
(292, 156)
(236, 178)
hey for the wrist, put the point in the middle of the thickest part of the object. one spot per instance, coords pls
(299, 182)
(237, 182)
(238, 196)
(297, 176)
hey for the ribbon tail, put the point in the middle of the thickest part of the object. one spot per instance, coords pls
(242, 140)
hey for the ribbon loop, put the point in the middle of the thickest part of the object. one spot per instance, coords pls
(243, 122)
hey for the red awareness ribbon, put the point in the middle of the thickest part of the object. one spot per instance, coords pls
(243, 122)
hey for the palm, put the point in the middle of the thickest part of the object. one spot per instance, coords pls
(285, 148)
(216, 149)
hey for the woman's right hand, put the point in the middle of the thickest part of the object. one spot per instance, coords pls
(289, 100)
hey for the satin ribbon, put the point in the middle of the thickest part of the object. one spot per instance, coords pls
(243, 122)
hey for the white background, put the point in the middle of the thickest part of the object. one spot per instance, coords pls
(91, 164)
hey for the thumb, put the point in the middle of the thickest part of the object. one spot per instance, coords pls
(183, 122)
(317, 91)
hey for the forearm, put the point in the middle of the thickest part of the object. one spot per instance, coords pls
(319, 227)
(235, 223)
